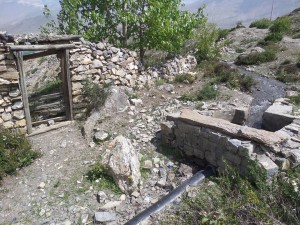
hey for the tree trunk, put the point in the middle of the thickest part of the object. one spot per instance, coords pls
(124, 27)
(141, 34)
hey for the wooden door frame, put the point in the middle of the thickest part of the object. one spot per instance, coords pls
(64, 52)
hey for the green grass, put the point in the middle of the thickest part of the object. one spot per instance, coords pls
(15, 152)
(49, 88)
(232, 199)
(258, 58)
(223, 73)
(160, 81)
(185, 78)
(207, 92)
(261, 24)
(99, 172)
(295, 100)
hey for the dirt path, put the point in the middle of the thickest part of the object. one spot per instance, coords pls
(48, 191)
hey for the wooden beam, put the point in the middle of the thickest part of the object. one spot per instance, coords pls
(19, 56)
(56, 119)
(39, 54)
(67, 85)
(40, 47)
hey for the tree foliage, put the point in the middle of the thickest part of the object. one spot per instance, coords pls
(136, 24)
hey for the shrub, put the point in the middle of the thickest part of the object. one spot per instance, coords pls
(105, 181)
(273, 38)
(233, 199)
(223, 73)
(207, 49)
(286, 77)
(96, 95)
(49, 88)
(257, 58)
(15, 152)
(281, 25)
(223, 33)
(246, 82)
(185, 78)
(160, 81)
(207, 92)
(261, 24)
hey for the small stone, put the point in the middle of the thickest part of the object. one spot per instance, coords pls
(84, 218)
(155, 160)
(67, 222)
(101, 136)
(42, 185)
(123, 197)
(112, 204)
(148, 164)
(63, 144)
(42, 212)
(17, 105)
(92, 144)
(6, 117)
(135, 194)
(18, 114)
(104, 217)
(51, 122)
(101, 196)
(14, 93)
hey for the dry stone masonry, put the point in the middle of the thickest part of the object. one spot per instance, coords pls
(105, 64)
(11, 105)
(216, 141)
(100, 62)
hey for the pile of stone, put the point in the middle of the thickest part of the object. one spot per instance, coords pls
(104, 64)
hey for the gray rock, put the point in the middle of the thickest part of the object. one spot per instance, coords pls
(101, 136)
(100, 46)
(97, 64)
(267, 164)
(18, 114)
(123, 163)
(17, 105)
(111, 204)
(104, 217)
(15, 93)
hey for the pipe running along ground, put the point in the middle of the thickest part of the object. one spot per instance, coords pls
(198, 178)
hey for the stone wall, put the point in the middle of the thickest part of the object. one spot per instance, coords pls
(214, 141)
(100, 62)
(11, 106)
(105, 64)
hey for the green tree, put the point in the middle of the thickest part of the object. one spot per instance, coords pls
(136, 24)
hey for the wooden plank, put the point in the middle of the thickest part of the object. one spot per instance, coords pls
(44, 98)
(36, 107)
(19, 56)
(67, 85)
(56, 119)
(40, 47)
(47, 129)
(39, 54)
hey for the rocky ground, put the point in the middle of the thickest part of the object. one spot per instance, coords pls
(55, 189)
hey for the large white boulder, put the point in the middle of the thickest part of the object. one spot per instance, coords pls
(123, 163)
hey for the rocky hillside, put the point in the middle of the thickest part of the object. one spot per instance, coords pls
(108, 168)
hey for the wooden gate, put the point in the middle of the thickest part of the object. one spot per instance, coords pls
(55, 106)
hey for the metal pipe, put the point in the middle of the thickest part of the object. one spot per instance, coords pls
(169, 198)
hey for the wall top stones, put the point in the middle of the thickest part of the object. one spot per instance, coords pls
(267, 138)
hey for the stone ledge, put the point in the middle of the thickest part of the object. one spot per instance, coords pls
(266, 138)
